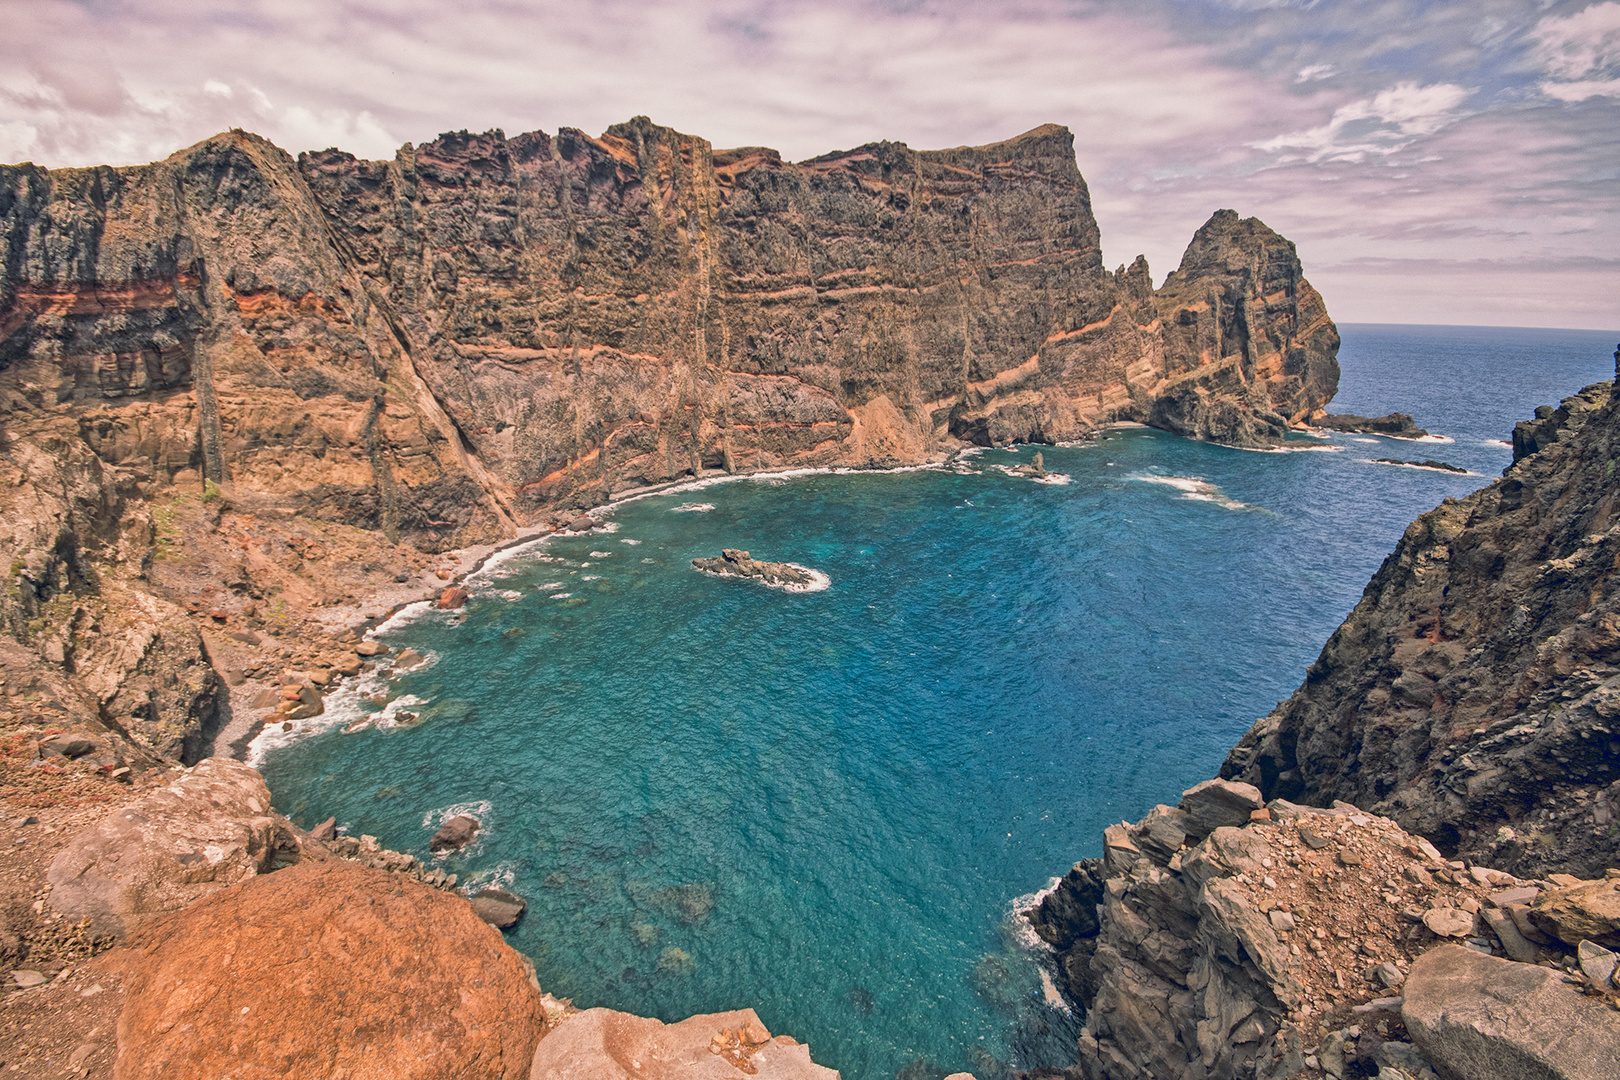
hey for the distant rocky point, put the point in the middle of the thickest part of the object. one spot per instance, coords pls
(1426, 463)
(781, 575)
(1397, 425)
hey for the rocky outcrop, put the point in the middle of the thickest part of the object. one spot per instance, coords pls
(326, 969)
(1475, 1016)
(209, 829)
(782, 575)
(1398, 425)
(600, 1044)
(1473, 694)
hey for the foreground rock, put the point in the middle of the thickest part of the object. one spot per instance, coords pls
(324, 970)
(208, 829)
(1398, 425)
(499, 908)
(734, 563)
(599, 1044)
(1473, 694)
(454, 834)
(1477, 1016)
(1231, 940)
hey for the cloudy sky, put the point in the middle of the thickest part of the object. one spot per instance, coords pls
(1452, 161)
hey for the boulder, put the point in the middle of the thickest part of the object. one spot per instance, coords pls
(69, 746)
(499, 908)
(452, 598)
(370, 648)
(208, 829)
(1479, 1016)
(600, 1044)
(408, 659)
(454, 834)
(1584, 911)
(1216, 803)
(325, 969)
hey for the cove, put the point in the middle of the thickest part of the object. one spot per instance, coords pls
(828, 805)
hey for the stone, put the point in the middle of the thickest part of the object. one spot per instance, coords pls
(326, 830)
(1476, 1016)
(1216, 803)
(1597, 963)
(1448, 922)
(735, 563)
(1399, 425)
(1583, 911)
(1281, 921)
(23, 978)
(408, 659)
(324, 969)
(1507, 932)
(600, 1044)
(454, 834)
(1389, 976)
(69, 746)
(209, 829)
(451, 599)
(499, 908)
(371, 648)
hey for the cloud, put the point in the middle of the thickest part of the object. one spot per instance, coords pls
(1580, 53)
(1388, 121)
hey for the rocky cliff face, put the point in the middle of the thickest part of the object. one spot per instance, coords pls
(1473, 694)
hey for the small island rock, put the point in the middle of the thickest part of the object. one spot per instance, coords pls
(734, 563)
(454, 834)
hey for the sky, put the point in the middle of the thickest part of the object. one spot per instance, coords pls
(1434, 162)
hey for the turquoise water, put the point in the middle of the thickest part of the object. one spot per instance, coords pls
(826, 805)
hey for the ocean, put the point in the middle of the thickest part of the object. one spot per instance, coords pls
(831, 805)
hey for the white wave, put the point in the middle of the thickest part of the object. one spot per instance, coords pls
(404, 617)
(632, 543)
(388, 716)
(345, 705)
(1498, 442)
(692, 508)
(591, 577)
(649, 560)
(502, 875)
(609, 526)
(1433, 438)
(1324, 449)
(560, 596)
(1359, 438)
(970, 452)
(1017, 918)
(477, 809)
(600, 554)
(1058, 479)
(511, 594)
(1191, 487)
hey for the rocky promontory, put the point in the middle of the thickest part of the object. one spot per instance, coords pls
(781, 575)
(1396, 425)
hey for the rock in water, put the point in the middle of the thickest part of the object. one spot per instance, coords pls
(452, 598)
(600, 1044)
(498, 907)
(1476, 1016)
(321, 969)
(1396, 424)
(454, 834)
(734, 563)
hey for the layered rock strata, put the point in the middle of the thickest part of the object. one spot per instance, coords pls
(1473, 694)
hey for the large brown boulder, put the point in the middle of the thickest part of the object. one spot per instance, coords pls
(1477, 1016)
(600, 1044)
(1587, 911)
(208, 829)
(326, 969)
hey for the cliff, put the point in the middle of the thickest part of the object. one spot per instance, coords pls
(1473, 692)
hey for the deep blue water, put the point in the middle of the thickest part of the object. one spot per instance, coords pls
(825, 805)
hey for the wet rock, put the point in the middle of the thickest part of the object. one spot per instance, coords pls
(371, 648)
(454, 834)
(209, 829)
(408, 659)
(600, 1044)
(1479, 1016)
(1399, 425)
(452, 598)
(735, 563)
(499, 908)
(328, 969)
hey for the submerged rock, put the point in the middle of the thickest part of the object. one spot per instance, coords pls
(734, 563)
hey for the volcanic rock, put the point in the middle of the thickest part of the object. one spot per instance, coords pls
(1478, 1016)
(499, 908)
(326, 969)
(454, 834)
(600, 1044)
(734, 563)
(1396, 424)
(209, 829)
